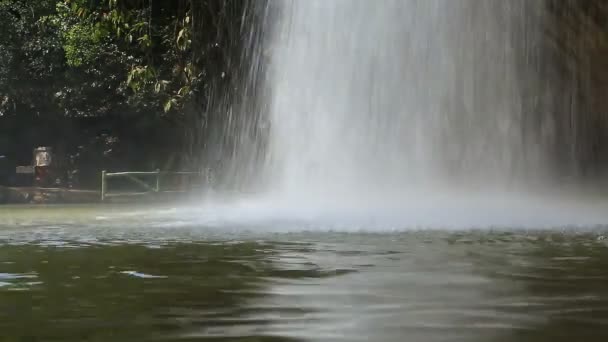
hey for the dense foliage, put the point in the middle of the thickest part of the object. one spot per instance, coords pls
(121, 81)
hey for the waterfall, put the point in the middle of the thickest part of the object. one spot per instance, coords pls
(427, 113)
(383, 99)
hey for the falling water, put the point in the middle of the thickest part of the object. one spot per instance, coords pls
(424, 111)
(373, 99)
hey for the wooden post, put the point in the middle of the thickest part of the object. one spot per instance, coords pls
(103, 185)
(157, 188)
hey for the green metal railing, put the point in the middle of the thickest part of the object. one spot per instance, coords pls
(136, 177)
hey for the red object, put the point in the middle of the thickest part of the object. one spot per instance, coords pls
(42, 175)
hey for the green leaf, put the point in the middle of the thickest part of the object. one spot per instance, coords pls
(183, 91)
(168, 106)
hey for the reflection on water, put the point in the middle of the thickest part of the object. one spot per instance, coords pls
(80, 282)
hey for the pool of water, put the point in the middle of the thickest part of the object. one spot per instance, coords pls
(124, 274)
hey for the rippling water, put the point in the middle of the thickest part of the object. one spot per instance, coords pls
(112, 274)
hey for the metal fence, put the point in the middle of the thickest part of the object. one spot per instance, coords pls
(147, 182)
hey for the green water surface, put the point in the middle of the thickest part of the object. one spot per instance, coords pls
(74, 277)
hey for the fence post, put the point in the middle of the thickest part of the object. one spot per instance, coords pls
(103, 185)
(157, 188)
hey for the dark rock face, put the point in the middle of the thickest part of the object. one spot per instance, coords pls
(575, 47)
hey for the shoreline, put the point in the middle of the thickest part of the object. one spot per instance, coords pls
(37, 195)
(45, 196)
